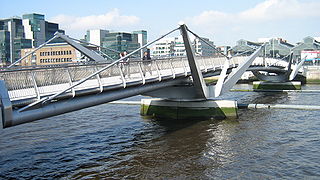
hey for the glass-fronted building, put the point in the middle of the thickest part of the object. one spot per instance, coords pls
(17, 33)
(4, 47)
(12, 39)
(142, 40)
(120, 41)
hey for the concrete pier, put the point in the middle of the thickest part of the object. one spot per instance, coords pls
(292, 85)
(216, 109)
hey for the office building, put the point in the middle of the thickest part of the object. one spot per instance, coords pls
(120, 42)
(12, 39)
(57, 53)
(113, 43)
(39, 30)
(142, 40)
(96, 36)
(29, 32)
(174, 46)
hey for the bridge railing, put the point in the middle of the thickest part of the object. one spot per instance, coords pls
(39, 82)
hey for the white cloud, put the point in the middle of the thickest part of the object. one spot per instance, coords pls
(269, 12)
(281, 9)
(110, 20)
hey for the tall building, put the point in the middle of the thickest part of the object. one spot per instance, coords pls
(39, 30)
(4, 47)
(96, 36)
(142, 40)
(117, 41)
(30, 31)
(120, 41)
(174, 46)
(12, 38)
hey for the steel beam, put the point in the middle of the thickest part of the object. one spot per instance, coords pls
(77, 103)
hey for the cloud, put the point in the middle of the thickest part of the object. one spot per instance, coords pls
(266, 13)
(281, 9)
(110, 20)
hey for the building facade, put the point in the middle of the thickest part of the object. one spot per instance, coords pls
(308, 44)
(39, 30)
(51, 54)
(142, 40)
(120, 42)
(28, 32)
(174, 46)
(113, 43)
(96, 36)
(277, 47)
(12, 39)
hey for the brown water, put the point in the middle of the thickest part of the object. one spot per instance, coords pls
(115, 142)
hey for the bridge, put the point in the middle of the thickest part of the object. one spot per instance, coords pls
(32, 93)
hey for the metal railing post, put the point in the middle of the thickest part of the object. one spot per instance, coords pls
(122, 77)
(70, 83)
(141, 73)
(99, 80)
(158, 70)
(172, 69)
(35, 85)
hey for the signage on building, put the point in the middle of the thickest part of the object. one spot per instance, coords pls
(311, 55)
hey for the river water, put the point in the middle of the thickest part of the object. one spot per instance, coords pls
(114, 142)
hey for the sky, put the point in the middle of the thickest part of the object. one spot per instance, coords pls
(223, 22)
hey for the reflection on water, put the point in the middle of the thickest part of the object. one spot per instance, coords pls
(114, 142)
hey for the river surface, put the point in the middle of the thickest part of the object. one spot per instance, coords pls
(112, 141)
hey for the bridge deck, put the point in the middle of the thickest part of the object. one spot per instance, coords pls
(31, 84)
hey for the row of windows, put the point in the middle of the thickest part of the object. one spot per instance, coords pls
(156, 52)
(162, 47)
(53, 53)
(55, 60)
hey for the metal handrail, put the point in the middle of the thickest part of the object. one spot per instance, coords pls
(46, 99)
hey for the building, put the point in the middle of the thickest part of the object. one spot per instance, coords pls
(223, 50)
(120, 42)
(12, 39)
(174, 46)
(278, 48)
(245, 47)
(4, 47)
(142, 40)
(39, 30)
(164, 47)
(202, 48)
(96, 36)
(308, 44)
(113, 43)
(28, 32)
(275, 47)
(57, 53)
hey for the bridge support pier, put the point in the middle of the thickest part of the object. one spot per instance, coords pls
(166, 109)
(264, 85)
